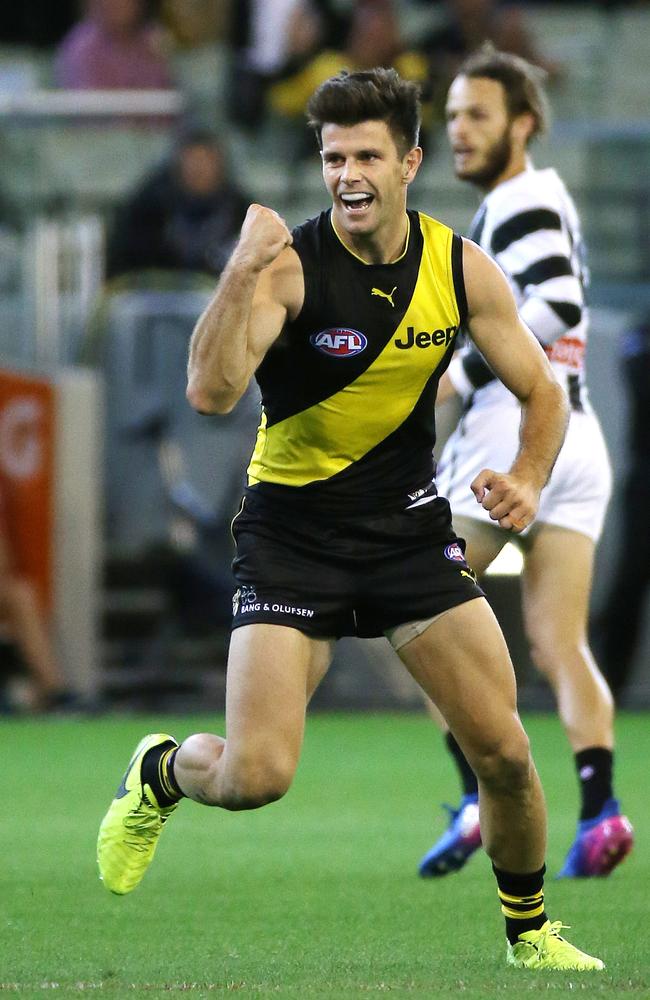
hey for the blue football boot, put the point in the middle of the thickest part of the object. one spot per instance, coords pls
(459, 841)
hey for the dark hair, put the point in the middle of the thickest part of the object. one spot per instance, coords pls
(371, 95)
(523, 83)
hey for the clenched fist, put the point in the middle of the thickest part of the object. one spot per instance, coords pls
(511, 501)
(264, 235)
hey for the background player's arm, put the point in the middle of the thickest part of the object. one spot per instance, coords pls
(519, 362)
(538, 259)
(260, 287)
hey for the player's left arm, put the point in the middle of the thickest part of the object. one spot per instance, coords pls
(541, 264)
(517, 359)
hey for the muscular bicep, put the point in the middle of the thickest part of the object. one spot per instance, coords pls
(278, 297)
(506, 343)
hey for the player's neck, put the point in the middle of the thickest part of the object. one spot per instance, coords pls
(385, 246)
(517, 165)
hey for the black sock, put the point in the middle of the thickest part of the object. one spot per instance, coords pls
(467, 776)
(158, 772)
(522, 901)
(594, 766)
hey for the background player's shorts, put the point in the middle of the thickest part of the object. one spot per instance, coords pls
(361, 576)
(575, 497)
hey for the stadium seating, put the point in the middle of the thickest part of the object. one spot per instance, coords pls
(172, 482)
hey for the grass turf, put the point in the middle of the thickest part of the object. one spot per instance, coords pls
(315, 895)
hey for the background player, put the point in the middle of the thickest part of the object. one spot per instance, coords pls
(342, 530)
(528, 223)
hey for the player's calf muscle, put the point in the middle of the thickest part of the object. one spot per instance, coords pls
(255, 784)
(210, 773)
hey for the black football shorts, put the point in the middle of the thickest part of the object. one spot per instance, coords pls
(357, 576)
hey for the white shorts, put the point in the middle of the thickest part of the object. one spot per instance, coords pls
(575, 497)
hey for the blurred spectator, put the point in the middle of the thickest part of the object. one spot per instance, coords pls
(285, 48)
(113, 47)
(469, 23)
(193, 23)
(22, 623)
(270, 38)
(620, 625)
(185, 216)
(372, 39)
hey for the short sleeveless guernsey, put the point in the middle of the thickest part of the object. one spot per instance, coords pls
(348, 389)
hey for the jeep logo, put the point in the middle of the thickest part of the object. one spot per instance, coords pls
(424, 339)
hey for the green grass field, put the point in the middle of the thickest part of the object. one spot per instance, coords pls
(315, 895)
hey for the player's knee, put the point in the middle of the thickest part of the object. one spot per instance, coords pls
(506, 767)
(257, 782)
(551, 651)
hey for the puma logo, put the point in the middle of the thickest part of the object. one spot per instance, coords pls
(123, 790)
(470, 576)
(385, 295)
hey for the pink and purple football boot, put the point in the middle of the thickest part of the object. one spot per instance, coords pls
(601, 844)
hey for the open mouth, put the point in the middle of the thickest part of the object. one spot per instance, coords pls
(358, 202)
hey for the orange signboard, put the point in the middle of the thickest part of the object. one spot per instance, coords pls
(27, 427)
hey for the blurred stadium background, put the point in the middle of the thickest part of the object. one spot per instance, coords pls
(116, 499)
(121, 496)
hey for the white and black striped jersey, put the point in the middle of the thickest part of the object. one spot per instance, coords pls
(530, 226)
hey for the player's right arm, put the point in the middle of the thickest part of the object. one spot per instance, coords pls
(260, 288)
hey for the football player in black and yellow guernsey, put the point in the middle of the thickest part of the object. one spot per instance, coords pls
(347, 324)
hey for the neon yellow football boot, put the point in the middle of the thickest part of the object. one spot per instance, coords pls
(129, 832)
(547, 949)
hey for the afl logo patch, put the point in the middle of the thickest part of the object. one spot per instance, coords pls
(338, 342)
(454, 552)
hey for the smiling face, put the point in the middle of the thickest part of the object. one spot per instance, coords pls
(367, 179)
(488, 145)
